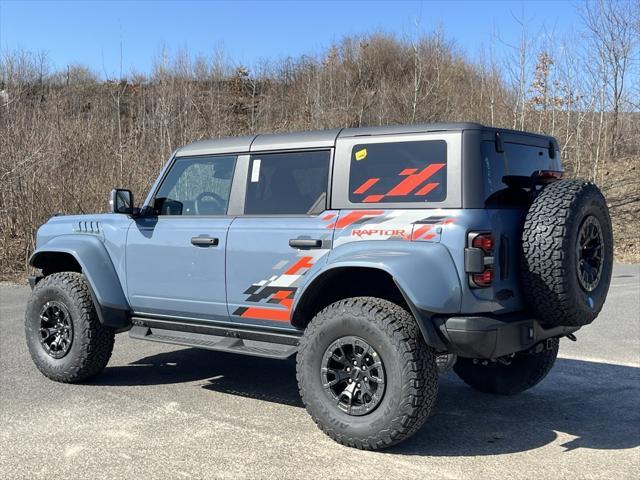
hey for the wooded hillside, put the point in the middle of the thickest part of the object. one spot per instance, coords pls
(68, 136)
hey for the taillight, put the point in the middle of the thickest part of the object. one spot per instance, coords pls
(484, 279)
(479, 259)
(544, 177)
(556, 175)
(483, 241)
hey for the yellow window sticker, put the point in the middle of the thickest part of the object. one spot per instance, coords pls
(361, 154)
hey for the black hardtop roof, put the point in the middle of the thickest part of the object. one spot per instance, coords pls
(327, 138)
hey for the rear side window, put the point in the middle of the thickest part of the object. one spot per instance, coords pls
(287, 183)
(516, 160)
(398, 172)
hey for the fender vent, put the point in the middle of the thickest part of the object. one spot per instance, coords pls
(88, 227)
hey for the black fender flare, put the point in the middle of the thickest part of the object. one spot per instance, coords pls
(426, 277)
(94, 260)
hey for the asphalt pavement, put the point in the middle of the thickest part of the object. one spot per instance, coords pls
(160, 411)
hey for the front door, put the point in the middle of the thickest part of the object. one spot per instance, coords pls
(285, 231)
(175, 258)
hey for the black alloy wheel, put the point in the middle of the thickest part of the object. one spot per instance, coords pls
(353, 375)
(589, 253)
(56, 329)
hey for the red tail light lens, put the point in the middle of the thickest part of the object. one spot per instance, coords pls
(483, 241)
(483, 279)
(479, 258)
(550, 174)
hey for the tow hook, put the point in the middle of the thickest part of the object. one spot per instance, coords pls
(548, 344)
(572, 337)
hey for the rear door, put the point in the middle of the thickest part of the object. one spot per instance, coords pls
(285, 231)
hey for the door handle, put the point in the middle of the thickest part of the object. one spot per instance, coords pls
(305, 243)
(204, 241)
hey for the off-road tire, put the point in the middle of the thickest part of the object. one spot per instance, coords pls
(550, 280)
(525, 370)
(410, 366)
(91, 344)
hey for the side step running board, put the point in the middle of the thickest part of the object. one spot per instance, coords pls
(215, 342)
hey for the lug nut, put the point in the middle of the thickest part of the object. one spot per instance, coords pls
(366, 379)
(358, 385)
(364, 367)
(348, 369)
(350, 380)
(355, 363)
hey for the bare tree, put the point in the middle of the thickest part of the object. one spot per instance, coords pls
(68, 136)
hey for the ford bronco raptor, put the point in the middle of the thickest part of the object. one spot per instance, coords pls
(378, 256)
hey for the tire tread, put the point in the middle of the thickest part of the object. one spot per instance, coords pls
(546, 270)
(420, 371)
(96, 340)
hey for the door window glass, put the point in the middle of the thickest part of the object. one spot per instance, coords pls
(196, 186)
(287, 183)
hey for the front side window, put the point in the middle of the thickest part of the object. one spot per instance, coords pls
(287, 183)
(196, 186)
(398, 172)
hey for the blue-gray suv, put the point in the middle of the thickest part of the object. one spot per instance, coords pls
(377, 256)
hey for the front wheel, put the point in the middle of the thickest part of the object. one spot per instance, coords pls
(66, 340)
(509, 375)
(365, 374)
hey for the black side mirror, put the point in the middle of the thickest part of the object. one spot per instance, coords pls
(121, 201)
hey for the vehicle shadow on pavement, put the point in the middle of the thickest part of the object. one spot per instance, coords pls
(595, 405)
(259, 378)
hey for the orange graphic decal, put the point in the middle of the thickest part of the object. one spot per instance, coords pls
(419, 232)
(287, 302)
(407, 185)
(280, 294)
(412, 181)
(353, 217)
(266, 314)
(427, 188)
(366, 185)
(304, 262)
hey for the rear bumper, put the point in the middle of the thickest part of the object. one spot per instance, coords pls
(492, 336)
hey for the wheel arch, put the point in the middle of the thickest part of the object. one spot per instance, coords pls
(87, 255)
(339, 281)
(343, 281)
(55, 261)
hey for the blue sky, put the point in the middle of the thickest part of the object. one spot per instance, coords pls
(91, 32)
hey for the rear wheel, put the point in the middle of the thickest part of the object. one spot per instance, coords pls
(66, 340)
(365, 374)
(509, 375)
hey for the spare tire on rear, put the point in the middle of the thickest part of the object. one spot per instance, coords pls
(567, 246)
